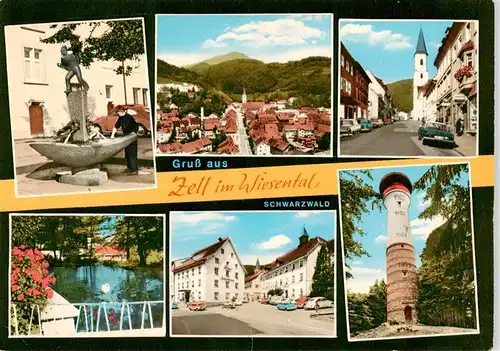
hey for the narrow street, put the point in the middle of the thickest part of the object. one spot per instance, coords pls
(244, 146)
(397, 139)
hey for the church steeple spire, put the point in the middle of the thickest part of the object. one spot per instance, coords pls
(421, 48)
(244, 96)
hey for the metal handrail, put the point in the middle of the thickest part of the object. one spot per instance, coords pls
(88, 307)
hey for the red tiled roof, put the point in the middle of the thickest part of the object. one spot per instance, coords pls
(206, 252)
(211, 123)
(196, 145)
(172, 147)
(297, 252)
(279, 144)
(228, 147)
(108, 250)
(253, 105)
(254, 275)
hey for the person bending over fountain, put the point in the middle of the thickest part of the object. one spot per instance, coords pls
(128, 125)
(70, 63)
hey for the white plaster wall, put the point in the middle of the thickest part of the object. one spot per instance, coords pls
(50, 88)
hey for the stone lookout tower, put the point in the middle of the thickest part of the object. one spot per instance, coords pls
(401, 282)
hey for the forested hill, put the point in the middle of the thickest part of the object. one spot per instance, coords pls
(402, 94)
(308, 79)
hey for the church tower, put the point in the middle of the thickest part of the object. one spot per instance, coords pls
(420, 77)
(244, 97)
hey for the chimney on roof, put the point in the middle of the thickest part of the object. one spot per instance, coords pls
(304, 238)
(220, 239)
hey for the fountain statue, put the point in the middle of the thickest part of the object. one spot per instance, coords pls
(76, 145)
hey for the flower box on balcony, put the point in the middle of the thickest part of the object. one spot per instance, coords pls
(464, 71)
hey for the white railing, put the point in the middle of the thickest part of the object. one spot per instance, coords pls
(90, 315)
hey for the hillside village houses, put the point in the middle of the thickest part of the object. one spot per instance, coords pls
(272, 127)
(212, 274)
(38, 103)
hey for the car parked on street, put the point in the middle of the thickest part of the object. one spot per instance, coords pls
(245, 300)
(175, 306)
(238, 303)
(287, 305)
(229, 304)
(388, 120)
(434, 131)
(377, 123)
(105, 124)
(366, 125)
(316, 303)
(349, 127)
(197, 306)
(264, 300)
(301, 301)
(275, 300)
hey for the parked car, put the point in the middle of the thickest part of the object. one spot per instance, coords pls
(377, 123)
(349, 127)
(317, 303)
(197, 306)
(245, 300)
(264, 300)
(105, 124)
(287, 305)
(388, 120)
(439, 132)
(301, 301)
(366, 125)
(229, 304)
(175, 306)
(275, 300)
(238, 303)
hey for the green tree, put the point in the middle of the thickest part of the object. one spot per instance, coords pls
(143, 234)
(323, 283)
(377, 302)
(359, 313)
(121, 41)
(357, 198)
(446, 276)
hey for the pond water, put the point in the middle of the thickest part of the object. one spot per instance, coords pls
(85, 285)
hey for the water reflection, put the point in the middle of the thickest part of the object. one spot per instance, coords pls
(84, 284)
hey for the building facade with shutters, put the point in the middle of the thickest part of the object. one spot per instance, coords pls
(293, 271)
(37, 102)
(213, 274)
(457, 75)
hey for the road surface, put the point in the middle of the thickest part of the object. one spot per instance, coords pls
(250, 319)
(397, 139)
(244, 147)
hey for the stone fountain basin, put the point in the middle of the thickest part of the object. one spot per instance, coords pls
(83, 155)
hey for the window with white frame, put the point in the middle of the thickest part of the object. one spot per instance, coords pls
(342, 60)
(216, 283)
(33, 65)
(216, 296)
(227, 285)
(468, 59)
(301, 278)
(227, 296)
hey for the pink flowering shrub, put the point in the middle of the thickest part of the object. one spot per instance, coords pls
(30, 284)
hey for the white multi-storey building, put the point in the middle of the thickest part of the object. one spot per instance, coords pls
(457, 63)
(37, 102)
(293, 272)
(376, 93)
(212, 274)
